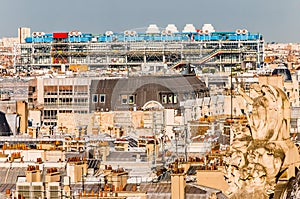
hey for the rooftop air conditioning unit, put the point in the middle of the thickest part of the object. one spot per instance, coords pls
(109, 33)
(244, 31)
(238, 31)
(126, 33)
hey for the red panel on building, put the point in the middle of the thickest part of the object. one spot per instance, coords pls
(60, 35)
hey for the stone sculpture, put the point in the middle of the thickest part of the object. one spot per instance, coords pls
(261, 150)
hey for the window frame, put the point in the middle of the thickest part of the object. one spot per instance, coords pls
(95, 96)
(100, 98)
(130, 97)
(124, 99)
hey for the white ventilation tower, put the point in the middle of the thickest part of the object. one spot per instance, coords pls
(171, 28)
(152, 29)
(189, 28)
(208, 28)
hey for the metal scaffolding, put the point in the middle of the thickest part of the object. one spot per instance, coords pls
(116, 54)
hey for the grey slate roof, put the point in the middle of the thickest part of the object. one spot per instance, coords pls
(11, 174)
(123, 156)
(163, 190)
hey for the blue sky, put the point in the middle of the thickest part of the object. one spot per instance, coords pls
(277, 20)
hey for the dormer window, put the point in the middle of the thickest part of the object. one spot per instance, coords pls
(95, 98)
(169, 98)
(102, 98)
